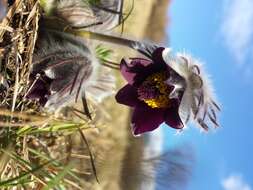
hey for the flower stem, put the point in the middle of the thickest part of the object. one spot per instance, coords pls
(145, 48)
(106, 38)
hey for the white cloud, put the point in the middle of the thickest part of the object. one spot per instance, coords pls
(237, 28)
(235, 182)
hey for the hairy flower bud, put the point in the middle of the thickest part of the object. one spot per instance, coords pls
(99, 15)
(64, 67)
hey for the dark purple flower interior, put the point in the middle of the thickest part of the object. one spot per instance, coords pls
(39, 89)
(147, 90)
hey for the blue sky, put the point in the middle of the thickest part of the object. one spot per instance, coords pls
(220, 33)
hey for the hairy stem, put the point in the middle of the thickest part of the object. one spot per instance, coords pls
(106, 38)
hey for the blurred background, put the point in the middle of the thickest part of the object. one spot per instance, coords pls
(220, 33)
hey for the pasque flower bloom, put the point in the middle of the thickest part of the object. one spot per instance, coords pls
(167, 88)
(151, 92)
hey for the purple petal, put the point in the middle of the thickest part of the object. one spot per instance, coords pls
(125, 71)
(146, 119)
(40, 89)
(157, 56)
(127, 96)
(172, 117)
(129, 71)
(140, 62)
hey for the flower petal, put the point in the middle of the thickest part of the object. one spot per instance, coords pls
(157, 56)
(39, 89)
(172, 117)
(146, 119)
(38, 92)
(127, 96)
(129, 71)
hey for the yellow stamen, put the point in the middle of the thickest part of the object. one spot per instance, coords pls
(162, 100)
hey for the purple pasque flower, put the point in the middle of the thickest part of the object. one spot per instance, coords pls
(149, 92)
(64, 69)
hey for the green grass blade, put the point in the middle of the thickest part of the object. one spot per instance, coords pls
(23, 175)
(57, 179)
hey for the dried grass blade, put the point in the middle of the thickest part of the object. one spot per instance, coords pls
(90, 154)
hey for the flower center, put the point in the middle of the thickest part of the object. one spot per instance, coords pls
(154, 91)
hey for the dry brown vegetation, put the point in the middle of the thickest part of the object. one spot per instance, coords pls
(115, 151)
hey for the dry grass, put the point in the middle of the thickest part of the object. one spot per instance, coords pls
(17, 47)
(109, 141)
(29, 136)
